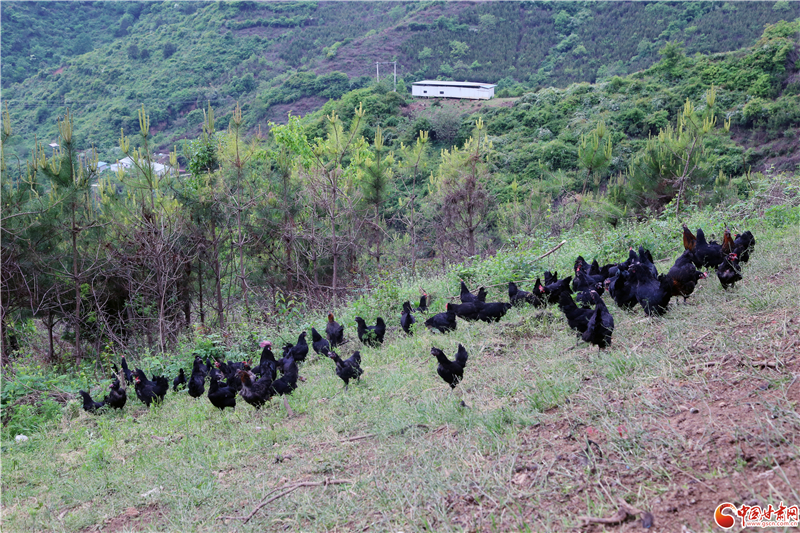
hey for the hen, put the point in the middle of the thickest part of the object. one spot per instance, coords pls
(126, 370)
(406, 318)
(423, 304)
(334, 332)
(443, 322)
(179, 380)
(653, 294)
(117, 396)
(708, 254)
(622, 288)
(689, 240)
(221, 397)
(742, 246)
(684, 276)
(349, 368)
(371, 335)
(468, 311)
(299, 351)
(320, 345)
(493, 311)
(556, 287)
(267, 366)
(519, 297)
(150, 391)
(600, 326)
(729, 272)
(197, 380)
(255, 392)
(286, 383)
(452, 372)
(577, 317)
(89, 405)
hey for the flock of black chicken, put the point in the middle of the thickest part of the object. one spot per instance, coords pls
(633, 281)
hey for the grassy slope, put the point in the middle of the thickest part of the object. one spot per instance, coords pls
(515, 457)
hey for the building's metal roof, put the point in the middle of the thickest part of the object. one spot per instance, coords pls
(465, 84)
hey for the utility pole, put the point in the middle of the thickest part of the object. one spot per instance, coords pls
(378, 71)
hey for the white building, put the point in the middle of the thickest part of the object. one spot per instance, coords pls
(453, 89)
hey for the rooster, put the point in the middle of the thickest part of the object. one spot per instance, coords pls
(708, 254)
(334, 331)
(689, 240)
(684, 276)
(493, 312)
(349, 368)
(577, 317)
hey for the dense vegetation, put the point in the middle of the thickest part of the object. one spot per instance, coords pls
(105, 59)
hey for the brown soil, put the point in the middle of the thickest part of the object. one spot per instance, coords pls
(132, 519)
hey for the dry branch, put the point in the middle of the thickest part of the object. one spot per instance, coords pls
(288, 490)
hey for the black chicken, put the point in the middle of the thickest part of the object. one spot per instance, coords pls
(468, 311)
(519, 297)
(729, 272)
(621, 288)
(406, 318)
(298, 351)
(423, 304)
(708, 254)
(334, 331)
(554, 289)
(255, 392)
(349, 368)
(117, 396)
(197, 380)
(684, 276)
(652, 293)
(371, 335)
(443, 322)
(221, 397)
(150, 391)
(286, 383)
(493, 311)
(742, 246)
(320, 345)
(600, 325)
(89, 405)
(267, 366)
(577, 317)
(179, 380)
(466, 295)
(452, 372)
(126, 370)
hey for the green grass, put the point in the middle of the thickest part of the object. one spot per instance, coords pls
(512, 461)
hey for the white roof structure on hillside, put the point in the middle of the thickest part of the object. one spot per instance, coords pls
(127, 162)
(453, 89)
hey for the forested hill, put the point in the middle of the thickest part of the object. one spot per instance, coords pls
(104, 60)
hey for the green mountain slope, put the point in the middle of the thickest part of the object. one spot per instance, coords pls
(105, 60)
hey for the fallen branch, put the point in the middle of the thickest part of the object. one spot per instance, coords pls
(288, 490)
(618, 518)
(695, 343)
(764, 364)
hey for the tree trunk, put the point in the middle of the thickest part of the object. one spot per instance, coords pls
(77, 318)
(217, 275)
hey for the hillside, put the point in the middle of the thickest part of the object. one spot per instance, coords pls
(105, 60)
(679, 414)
